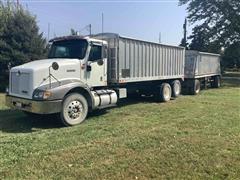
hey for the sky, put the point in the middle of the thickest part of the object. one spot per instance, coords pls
(137, 19)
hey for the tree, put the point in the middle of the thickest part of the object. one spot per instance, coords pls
(231, 56)
(217, 24)
(20, 40)
(200, 38)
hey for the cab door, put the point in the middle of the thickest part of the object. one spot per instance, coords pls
(96, 70)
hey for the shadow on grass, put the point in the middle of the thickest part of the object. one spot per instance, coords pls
(230, 82)
(12, 121)
(123, 102)
(137, 99)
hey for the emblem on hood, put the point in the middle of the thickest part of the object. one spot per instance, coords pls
(71, 70)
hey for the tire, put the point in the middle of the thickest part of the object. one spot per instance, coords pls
(216, 83)
(74, 109)
(196, 87)
(165, 92)
(176, 88)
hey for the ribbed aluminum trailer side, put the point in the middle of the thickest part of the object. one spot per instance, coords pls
(132, 60)
(144, 68)
(201, 64)
(201, 68)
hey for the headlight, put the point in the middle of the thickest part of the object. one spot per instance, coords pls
(41, 94)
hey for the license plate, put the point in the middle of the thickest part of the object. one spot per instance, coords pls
(18, 104)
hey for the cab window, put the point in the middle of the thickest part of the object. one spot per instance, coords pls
(95, 53)
(75, 48)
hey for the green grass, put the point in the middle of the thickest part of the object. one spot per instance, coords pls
(193, 137)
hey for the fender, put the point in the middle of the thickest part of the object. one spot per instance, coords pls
(60, 89)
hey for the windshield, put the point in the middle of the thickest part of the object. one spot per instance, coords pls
(68, 49)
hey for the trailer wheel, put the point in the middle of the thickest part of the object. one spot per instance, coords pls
(176, 88)
(216, 83)
(165, 92)
(196, 87)
(74, 109)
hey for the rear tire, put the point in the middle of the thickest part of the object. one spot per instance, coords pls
(216, 83)
(74, 109)
(176, 88)
(196, 87)
(165, 92)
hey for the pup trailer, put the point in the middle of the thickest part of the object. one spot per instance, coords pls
(82, 74)
(201, 69)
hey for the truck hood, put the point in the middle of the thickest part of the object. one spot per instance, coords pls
(45, 63)
(29, 76)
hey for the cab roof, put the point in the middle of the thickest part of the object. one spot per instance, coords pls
(61, 38)
(73, 37)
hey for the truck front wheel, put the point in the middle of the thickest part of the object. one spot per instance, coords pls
(74, 109)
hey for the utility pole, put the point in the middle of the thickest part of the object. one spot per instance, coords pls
(184, 39)
(185, 33)
(160, 37)
(17, 3)
(90, 29)
(102, 22)
(48, 31)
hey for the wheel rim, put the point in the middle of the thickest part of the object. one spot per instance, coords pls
(167, 93)
(218, 82)
(197, 88)
(74, 110)
(177, 89)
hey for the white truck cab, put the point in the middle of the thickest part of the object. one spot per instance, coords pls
(75, 64)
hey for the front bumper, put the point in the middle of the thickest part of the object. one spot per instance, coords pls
(38, 107)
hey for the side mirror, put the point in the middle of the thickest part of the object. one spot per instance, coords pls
(89, 68)
(55, 66)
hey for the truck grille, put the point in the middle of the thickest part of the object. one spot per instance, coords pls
(20, 83)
